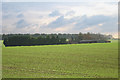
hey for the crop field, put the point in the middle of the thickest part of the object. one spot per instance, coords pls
(97, 60)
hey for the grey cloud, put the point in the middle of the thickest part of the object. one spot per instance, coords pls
(110, 26)
(109, 23)
(20, 16)
(60, 21)
(91, 20)
(57, 23)
(85, 21)
(81, 22)
(54, 13)
(21, 23)
(11, 7)
(6, 16)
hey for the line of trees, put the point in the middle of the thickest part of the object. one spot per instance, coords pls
(30, 41)
(50, 39)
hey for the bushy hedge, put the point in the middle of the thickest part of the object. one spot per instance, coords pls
(30, 41)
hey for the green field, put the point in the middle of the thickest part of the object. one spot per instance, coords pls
(97, 60)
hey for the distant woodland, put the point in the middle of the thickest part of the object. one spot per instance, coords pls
(52, 39)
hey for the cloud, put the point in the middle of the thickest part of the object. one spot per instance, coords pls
(6, 16)
(107, 25)
(21, 23)
(70, 13)
(94, 29)
(84, 21)
(60, 21)
(59, 17)
(97, 23)
(12, 7)
(65, 28)
(20, 16)
(100, 24)
(110, 26)
(55, 13)
(90, 9)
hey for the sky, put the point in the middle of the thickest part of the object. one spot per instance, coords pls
(60, 17)
(59, 0)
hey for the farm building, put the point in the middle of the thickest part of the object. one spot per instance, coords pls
(107, 41)
(88, 41)
(94, 41)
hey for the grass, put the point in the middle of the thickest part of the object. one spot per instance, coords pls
(98, 60)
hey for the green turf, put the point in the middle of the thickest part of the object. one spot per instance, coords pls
(97, 60)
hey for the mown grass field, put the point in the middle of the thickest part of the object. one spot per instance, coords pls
(97, 60)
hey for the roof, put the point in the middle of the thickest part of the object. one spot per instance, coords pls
(88, 40)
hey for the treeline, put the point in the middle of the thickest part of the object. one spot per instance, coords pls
(30, 41)
(50, 39)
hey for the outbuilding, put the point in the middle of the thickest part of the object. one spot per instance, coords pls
(88, 41)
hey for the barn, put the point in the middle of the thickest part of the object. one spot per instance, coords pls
(88, 41)
(94, 41)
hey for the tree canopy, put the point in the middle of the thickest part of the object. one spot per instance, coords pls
(49, 39)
